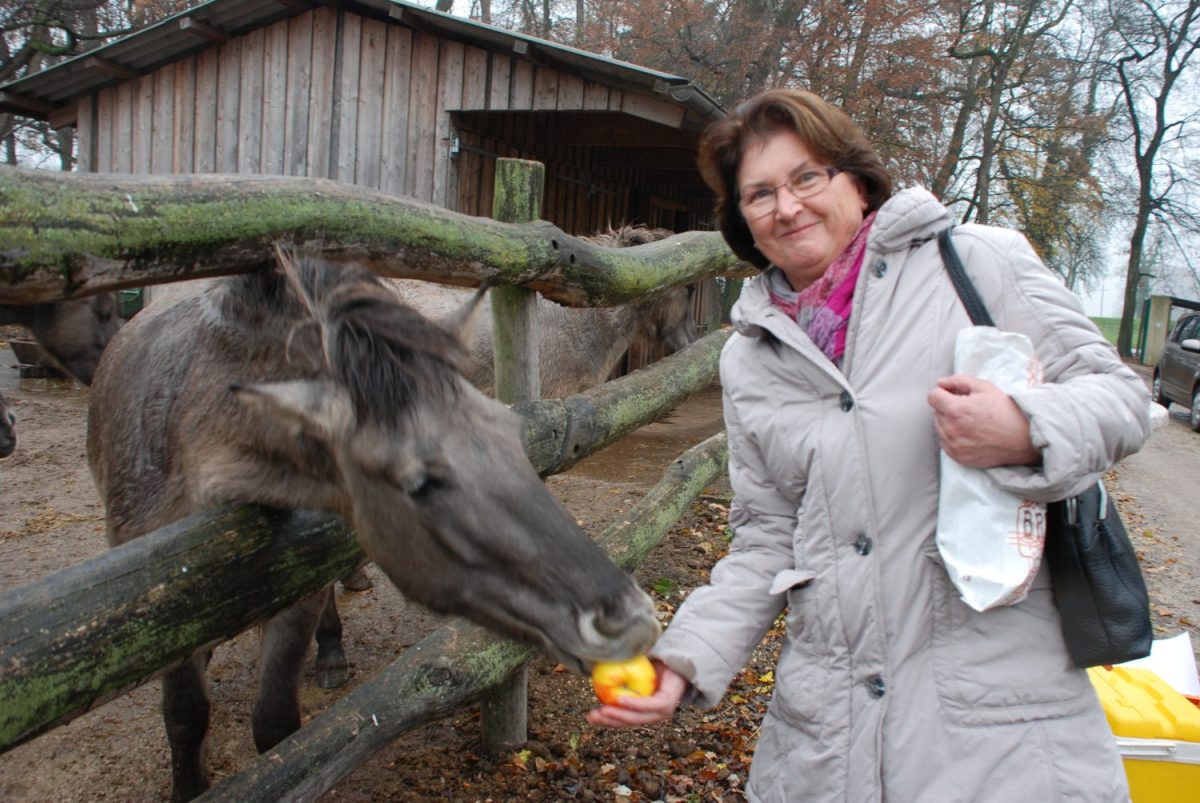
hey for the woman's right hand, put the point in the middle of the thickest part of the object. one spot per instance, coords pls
(658, 707)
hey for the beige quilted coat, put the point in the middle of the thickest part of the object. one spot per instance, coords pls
(889, 688)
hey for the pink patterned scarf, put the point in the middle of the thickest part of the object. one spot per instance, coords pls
(823, 308)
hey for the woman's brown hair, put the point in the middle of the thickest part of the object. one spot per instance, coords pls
(826, 131)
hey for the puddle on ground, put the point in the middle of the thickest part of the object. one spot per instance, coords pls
(59, 390)
(642, 456)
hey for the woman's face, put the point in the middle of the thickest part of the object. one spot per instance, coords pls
(800, 237)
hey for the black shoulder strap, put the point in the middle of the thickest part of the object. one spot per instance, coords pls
(962, 282)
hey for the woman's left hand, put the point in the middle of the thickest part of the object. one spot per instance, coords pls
(979, 425)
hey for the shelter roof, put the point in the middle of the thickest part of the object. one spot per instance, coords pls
(50, 94)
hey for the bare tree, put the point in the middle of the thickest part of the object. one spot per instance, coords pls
(1159, 40)
(35, 34)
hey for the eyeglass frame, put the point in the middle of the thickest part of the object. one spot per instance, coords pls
(830, 171)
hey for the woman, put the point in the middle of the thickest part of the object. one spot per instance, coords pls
(838, 397)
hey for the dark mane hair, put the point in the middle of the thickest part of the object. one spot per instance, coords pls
(627, 235)
(382, 351)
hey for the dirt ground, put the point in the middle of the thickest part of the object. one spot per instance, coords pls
(51, 519)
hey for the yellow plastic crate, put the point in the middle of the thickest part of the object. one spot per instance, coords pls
(1158, 732)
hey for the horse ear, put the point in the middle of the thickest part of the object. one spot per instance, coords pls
(320, 409)
(462, 321)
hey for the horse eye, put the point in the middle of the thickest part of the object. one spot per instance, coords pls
(417, 483)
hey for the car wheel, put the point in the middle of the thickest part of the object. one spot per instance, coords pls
(1156, 392)
(1195, 418)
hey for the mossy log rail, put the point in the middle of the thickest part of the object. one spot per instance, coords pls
(64, 235)
(96, 629)
(454, 666)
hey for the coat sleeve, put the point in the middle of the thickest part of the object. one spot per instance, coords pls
(1091, 410)
(715, 630)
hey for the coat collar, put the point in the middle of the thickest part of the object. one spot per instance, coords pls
(910, 217)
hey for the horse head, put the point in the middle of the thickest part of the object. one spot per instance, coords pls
(434, 477)
(663, 320)
(73, 333)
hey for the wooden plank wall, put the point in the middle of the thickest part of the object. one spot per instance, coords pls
(336, 95)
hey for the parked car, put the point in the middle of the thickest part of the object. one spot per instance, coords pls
(1177, 375)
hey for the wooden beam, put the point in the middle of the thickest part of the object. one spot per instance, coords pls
(410, 19)
(93, 630)
(203, 30)
(63, 116)
(74, 234)
(658, 111)
(26, 105)
(109, 67)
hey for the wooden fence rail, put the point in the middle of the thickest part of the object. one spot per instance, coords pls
(87, 634)
(452, 667)
(64, 235)
(92, 631)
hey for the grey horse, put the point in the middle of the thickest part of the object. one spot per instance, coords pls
(311, 386)
(578, 348)
(72, 333)
(8, 428)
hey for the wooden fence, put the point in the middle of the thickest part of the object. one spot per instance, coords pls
(91, 632)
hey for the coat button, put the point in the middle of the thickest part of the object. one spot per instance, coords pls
(876, 687)
(879, 268)
(847, 401)
(862, 545)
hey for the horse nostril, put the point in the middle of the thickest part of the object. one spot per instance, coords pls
(621, 613)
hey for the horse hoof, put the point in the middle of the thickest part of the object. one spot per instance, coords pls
(333, 678)
(357, 580)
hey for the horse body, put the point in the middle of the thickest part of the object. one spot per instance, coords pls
(72, 333)
(337, 397)
(8, 428)
(578, 348)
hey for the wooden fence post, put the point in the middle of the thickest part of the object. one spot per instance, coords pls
(517, 199)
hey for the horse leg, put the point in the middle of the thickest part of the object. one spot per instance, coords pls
(358, 580)
(285, 643)
(332, 668)
(185, 709)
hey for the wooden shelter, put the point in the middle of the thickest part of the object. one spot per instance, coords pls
(387, 95)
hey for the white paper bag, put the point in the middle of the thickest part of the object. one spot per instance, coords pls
(990, 540)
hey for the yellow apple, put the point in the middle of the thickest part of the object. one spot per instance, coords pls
(613, 679)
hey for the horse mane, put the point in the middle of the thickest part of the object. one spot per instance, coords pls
(627, 235)
(382, 351)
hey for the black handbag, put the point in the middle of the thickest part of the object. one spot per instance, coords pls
(1094, 572)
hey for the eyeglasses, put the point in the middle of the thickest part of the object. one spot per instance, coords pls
(805, 183)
